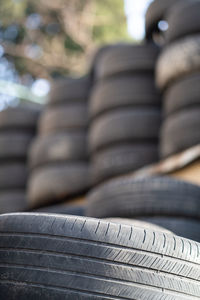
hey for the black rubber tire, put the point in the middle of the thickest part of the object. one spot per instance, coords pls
(180, 131)
(13, 175)
(69, 90)
(63, 117)
(76, 210)
(183, 20)
(12, 201)
(135, 90)
(183, 94)
(155, 13)
(187, 228)
(153, 196)
(54, 183)
(61, 147)
(124, 125)
(127, 58)
(57, 257)
(178, 60)
(14, 145)
(121, 159)
(22, 117)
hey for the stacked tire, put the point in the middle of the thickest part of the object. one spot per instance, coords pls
(17, 129)
(178, 76)
(124, 111)
(58, 157)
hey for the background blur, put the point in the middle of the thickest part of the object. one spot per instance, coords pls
(46, 39)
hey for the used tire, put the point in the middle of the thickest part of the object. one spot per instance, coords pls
(13, 175)
(126, 91)
(180, 131)
(77, 210)
(127, 58)
(156, 196)
(177, 60)
(57, 257)
(70, 90)
(183, 94)
(65, 117)
(54, 183)
(60, 147)
(124, 125)
(12, 201)
(121, 159)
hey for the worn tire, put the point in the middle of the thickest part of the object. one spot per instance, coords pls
(183, 94)
(121, 159)
(156, 196)
(63, 117)
(180, 131)
(60, 147)
(127, 58)
(178, 60)
(126, 91)
(183, 20)
(124, 125)
(70, 90)
(55, 183)
(12, 201)
(13, 175)
(58, 257)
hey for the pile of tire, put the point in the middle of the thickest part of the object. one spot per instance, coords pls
(124, 111)
(58, 157)
(17, 129)
(67, 257)
(178, 77)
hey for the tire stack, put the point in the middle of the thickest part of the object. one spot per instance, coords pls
(178, 77)
(58, 157)
(124, 111)
(17, 129)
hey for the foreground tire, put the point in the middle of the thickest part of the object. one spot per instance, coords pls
(57, 257)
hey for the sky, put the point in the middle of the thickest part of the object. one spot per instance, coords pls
(135, 12)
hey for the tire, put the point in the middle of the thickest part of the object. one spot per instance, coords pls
(22, 117)
(121, 159)
(156, 196)
(126, 91)
(183, 20)
(124, 125)
(12, 201)
(14, 145)
(183, 94)
(180, 131)
(62, 118)
(70, 90)
(156, 12)
(76, 210)
(127, 58)
(55, 183)
(178, 60)
(187, 228)
(13, 175)
(57, 257)
(61, 147)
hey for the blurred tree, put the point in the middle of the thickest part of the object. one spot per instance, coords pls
(49, 38)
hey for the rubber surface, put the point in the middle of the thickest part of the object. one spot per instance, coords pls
(126, 58)
(13, 175)
(121, 159)
(77, 210)
(63, 117)
(177, 60)
(180, 131)
(58, 257)
(57, 148)
(69, 90)
(124, 125)
(154, 196)
(122, 91)
(183, 94)
(12, 201)
(54, 183)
